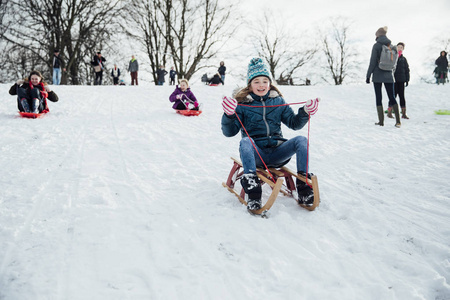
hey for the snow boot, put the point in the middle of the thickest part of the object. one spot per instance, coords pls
(305, 192)
(389, 113)
(25, 106)
(35, 105)
(398, 124)
(404, 116)
(380, 116)
(252, 187)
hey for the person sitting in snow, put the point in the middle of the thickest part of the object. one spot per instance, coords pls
(32, 93)
(262, 116)
(216, 80)
(183, 97)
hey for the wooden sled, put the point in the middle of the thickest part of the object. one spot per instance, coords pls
(286, 186)
(189, 112)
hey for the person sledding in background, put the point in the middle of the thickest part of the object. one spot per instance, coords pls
(216, 80)
(263, 124)
(32, 93)
(183, 98)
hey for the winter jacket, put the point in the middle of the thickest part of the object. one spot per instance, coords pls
(402, 71)
(442, 63)
(133, 66)
(115, 72)
(263, 124)
(98, 61)
(13, 91)
(188, 95)
(378, 74)
(216, 80)
(172, 74)
(56, 62)
(161, 73)
(222, 70)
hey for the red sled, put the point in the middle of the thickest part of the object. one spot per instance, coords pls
(188, 112)
(31, 115)
(213, 84)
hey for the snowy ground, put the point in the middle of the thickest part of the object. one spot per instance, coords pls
(114, 196)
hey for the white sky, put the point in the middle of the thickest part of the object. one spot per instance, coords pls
(417, 23)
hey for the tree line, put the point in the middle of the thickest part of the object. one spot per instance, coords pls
(187, 34)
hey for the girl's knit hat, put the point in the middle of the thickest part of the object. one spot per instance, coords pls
(256, 68)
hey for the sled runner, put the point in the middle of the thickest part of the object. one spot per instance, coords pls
(286, 186)
(188, 112)
(31, 115)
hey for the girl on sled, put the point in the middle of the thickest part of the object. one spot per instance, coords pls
(183, 97)
(32, 93)
(261, 114)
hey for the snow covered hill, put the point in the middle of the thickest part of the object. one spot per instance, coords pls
(114, 196)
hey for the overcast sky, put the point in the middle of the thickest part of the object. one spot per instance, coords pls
(417, 23)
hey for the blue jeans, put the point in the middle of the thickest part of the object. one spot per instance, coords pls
(56, 76)
(160, 82)
(389, 86)
(223, 78)
(273, 157)
(34, 94)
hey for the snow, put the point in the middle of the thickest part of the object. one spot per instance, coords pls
(114, 196)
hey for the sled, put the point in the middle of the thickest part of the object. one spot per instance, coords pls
(213, 84)
(188, 112)
(284, 183)
(30, 115)
(442, 112)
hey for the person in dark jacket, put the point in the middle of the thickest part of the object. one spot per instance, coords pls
(172, 75)
(381, 76)
(161, 74)
(401, 78)
(261, 110)
(133, 68)
(216, 80)
(32, 93)
(115, 74)
(57, 62)
(183, 98)
(442, 67)
(99, 64)
(221, 71)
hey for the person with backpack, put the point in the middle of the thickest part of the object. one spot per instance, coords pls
(401, 78)
(382, 64)
(261, 108)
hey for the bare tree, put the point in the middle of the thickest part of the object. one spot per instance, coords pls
(76, 28)
(335, 45)
(281, 50)
(184, 32)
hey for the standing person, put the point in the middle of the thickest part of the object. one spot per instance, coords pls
(115, 73)
(98, 63)
(161, 73)
(262, 115)
(381, 76)
(221, 71)
(133, 68)
(172, 75)
(442, 67)
(183, 97)
(401, 78)
(32, 93)
(57, 62)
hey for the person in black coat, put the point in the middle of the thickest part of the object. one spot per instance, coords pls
(216, 80)
(401, 78)
(32, 93)
(98, 63)
(221, 71)
(442, 67)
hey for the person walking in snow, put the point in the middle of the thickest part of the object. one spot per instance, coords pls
(32, 93)
(183, 98)
(381, 76)
(133, 68)
(262, 116)
(98, 63)
(161, 74)
(115, 74)
(172, 75)
(401, 78)
(442, 68)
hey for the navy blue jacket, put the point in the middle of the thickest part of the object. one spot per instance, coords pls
(263, 124)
